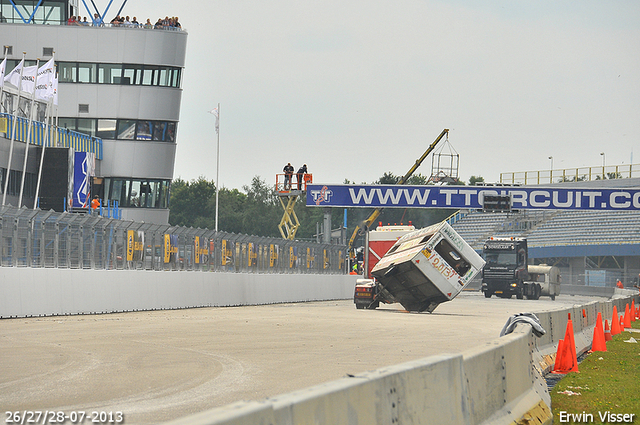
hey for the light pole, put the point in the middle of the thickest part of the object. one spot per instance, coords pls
(603, 159)
(216, 112)
(551, 170)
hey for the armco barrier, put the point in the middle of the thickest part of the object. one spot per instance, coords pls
(498, 383)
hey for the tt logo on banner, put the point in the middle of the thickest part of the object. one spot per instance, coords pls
(323, 195)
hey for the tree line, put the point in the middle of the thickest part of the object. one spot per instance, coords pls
(256, 210)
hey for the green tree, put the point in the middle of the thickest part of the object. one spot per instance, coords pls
(475, 179)
(190, 200)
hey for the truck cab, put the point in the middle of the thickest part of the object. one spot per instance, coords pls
(506, 268)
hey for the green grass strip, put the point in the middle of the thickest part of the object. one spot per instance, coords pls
(606, 388)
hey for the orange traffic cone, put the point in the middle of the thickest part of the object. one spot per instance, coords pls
(568, 361)
(556, 365)
(607, 332)
(615, 322)
(627, 318)
(598, 343)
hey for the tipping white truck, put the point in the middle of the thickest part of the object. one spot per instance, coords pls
(423, 269)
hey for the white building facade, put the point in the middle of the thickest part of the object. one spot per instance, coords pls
(120, 84)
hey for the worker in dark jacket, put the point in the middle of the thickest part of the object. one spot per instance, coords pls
(301, 172)
(288, 174)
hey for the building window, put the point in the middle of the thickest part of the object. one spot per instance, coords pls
(109, 73)
(67, 72)
(106, 129)
(137, 193)
(87, 72)
(159, 131)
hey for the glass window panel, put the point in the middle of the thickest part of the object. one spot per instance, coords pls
(87, 126)
(164, 194)
(145, 129)
(146, 194)
(159, 130)
(106, 129)
(68, 123)
(87, 72)
(134, 200)
(7, 103)
(147, 76)
(170, 135)
(109, 73)
(164, 78)
(41, 111)
(176, 77)
(137, 79)
(126, 129)
(128, 75)
(120, 192)
(67, 72)
(153, 197)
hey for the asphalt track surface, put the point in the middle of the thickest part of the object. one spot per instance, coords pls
(161, 365)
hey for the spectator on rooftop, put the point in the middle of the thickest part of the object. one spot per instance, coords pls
(148, 24)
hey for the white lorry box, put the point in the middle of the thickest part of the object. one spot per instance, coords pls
(426, 267)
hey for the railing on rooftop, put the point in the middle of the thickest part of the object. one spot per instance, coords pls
(140, 26)
(57, 137)
(624, 171)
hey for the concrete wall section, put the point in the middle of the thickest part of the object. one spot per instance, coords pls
(43, 292)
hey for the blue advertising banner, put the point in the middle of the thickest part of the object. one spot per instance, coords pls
(83, 170)
(463, 197)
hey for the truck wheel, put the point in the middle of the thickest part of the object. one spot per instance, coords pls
(359, 306)
(487, 294)
(519, 294)
(538, 290)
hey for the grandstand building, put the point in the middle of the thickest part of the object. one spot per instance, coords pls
(119, 91)
(594, 248)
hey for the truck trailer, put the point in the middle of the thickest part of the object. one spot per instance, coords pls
(423, 269)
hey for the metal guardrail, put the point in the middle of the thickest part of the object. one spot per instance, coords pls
(35, 238)
(624, 171)
(57, 137)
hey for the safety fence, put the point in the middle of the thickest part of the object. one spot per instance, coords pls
(47, 239)
(56, 137)
(624, 171)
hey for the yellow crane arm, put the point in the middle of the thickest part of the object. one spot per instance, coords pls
(365, 224)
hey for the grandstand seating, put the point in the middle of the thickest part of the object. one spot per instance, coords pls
(552, 228)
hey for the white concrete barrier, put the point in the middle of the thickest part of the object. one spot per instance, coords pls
(45, 292)
(498, 383)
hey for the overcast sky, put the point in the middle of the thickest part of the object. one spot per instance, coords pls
(359, 88)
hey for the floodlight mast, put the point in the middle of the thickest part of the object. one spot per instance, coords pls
(365, 224)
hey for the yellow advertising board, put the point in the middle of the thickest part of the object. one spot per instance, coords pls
(273, 255)
(167, 248)
(130, 242)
